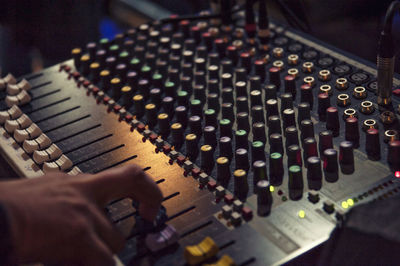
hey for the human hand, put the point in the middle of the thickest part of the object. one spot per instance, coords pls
(60, 218)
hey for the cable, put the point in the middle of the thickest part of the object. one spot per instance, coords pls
(386, 56)
(263, 22)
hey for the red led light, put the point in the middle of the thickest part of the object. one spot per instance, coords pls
(397, 174)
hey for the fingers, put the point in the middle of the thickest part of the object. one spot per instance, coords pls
(107, 232)
(129, 181)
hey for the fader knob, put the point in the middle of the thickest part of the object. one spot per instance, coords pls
(264, 198)
(192, 146)
(242, 104)
(286, 101)
(242, 121)
(325, 141)
(307, 129)
(177, 135)
(225, 147)
(181, 114)
(306, 95)
(270, 92)
(163, 124)
(210, 117)
(294, 155)
(303, 112)
(323, 104)
(210, 136)
(259, 132)
(290, 86)
(292, 136)
(257, 151)
(331, 165)
(195, 125)
(241, 139)
(296, 184)
(289, 119)
(227, 111)
(346, 157)
(138, 101)
(372, 144)
(241, 74)
(274, 77)
(274, 125)
(275, 143)
(272, 107)
(310, 149)
(151, 115)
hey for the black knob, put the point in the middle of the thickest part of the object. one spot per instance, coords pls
(225, 126)
(324, 103)
(314, 173)
(213, 102)
(372, 144)
(177, 135)
(275, 169)
(168, 105)
(290, 86)
(232, 54)
(207, 158)
(292, 136)
(260, 70)
(226, 66)
(151, 115)
(257, 151)
(270, 92)
(186, 84)
(240, 74)
(169, 88)
(200, 64)
(201, 51)
(227, 95)
(274, 77)
(242, 104)
(241, 139)
(213, 58)
(325, 141)
(223, 171)
(213, 72)
(183, 98)
(138, 102)
(286, 101)
(227, 111)
(294, 155)
(346, 157)
(307, 129)
(227, 80)
(246, 61)
(242, 121)
(163, 124)
(257, 114)
(157, 81)
(225, 147)
(289, 119)
(274, 125)
(144, 88)
(241, 88)
(272, 107)
(210, 136)
(116, 86)
(195, 125)
(255, 83)
(127, 95)
(192, 146)
(259, 132)
(264, 198)
(352, 132)
(296, 184)
(196, 107)
(310, 149)
(241, 186)
(190, 45)
(210, 117)
(331, 165)
(132, 79)
(303, 112)
(332, 121)
(101, 56)
(242, 159)
(275, 143)
(259, 173)
(256, 98)
(306, 95)
(200, 79)
(181, 114)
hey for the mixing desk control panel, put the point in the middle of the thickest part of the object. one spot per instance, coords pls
(260, 146)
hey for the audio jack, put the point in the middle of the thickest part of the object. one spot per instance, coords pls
(386, 57)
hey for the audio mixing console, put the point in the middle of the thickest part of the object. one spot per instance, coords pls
(260, 147)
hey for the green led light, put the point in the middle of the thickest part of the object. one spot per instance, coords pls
(195, 102)
(284, 198)
(135, 61)
(257, 144)
(182, 93)
(209, 112)
(276, 155)
(114, 47)
(345, 205)
(271, 188)
(146, 69)
(169, 84)
(302, 214)
(350, 202)
(124, 54)
(294, 169)
(225, 122)
(241, 132)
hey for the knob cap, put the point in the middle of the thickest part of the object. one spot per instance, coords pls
(331, 165)
(296, 184)
(259, 173)
(223, 171)
(276, 169)
(207, 158)
(242, 159)
(314, 173)
(264, 198)
(372, 144)
(225, 147)
(346, 157)
(294, 155)
(352, 132)
(241, 186)
(325, 141)
(332, 121)
(192, 146)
